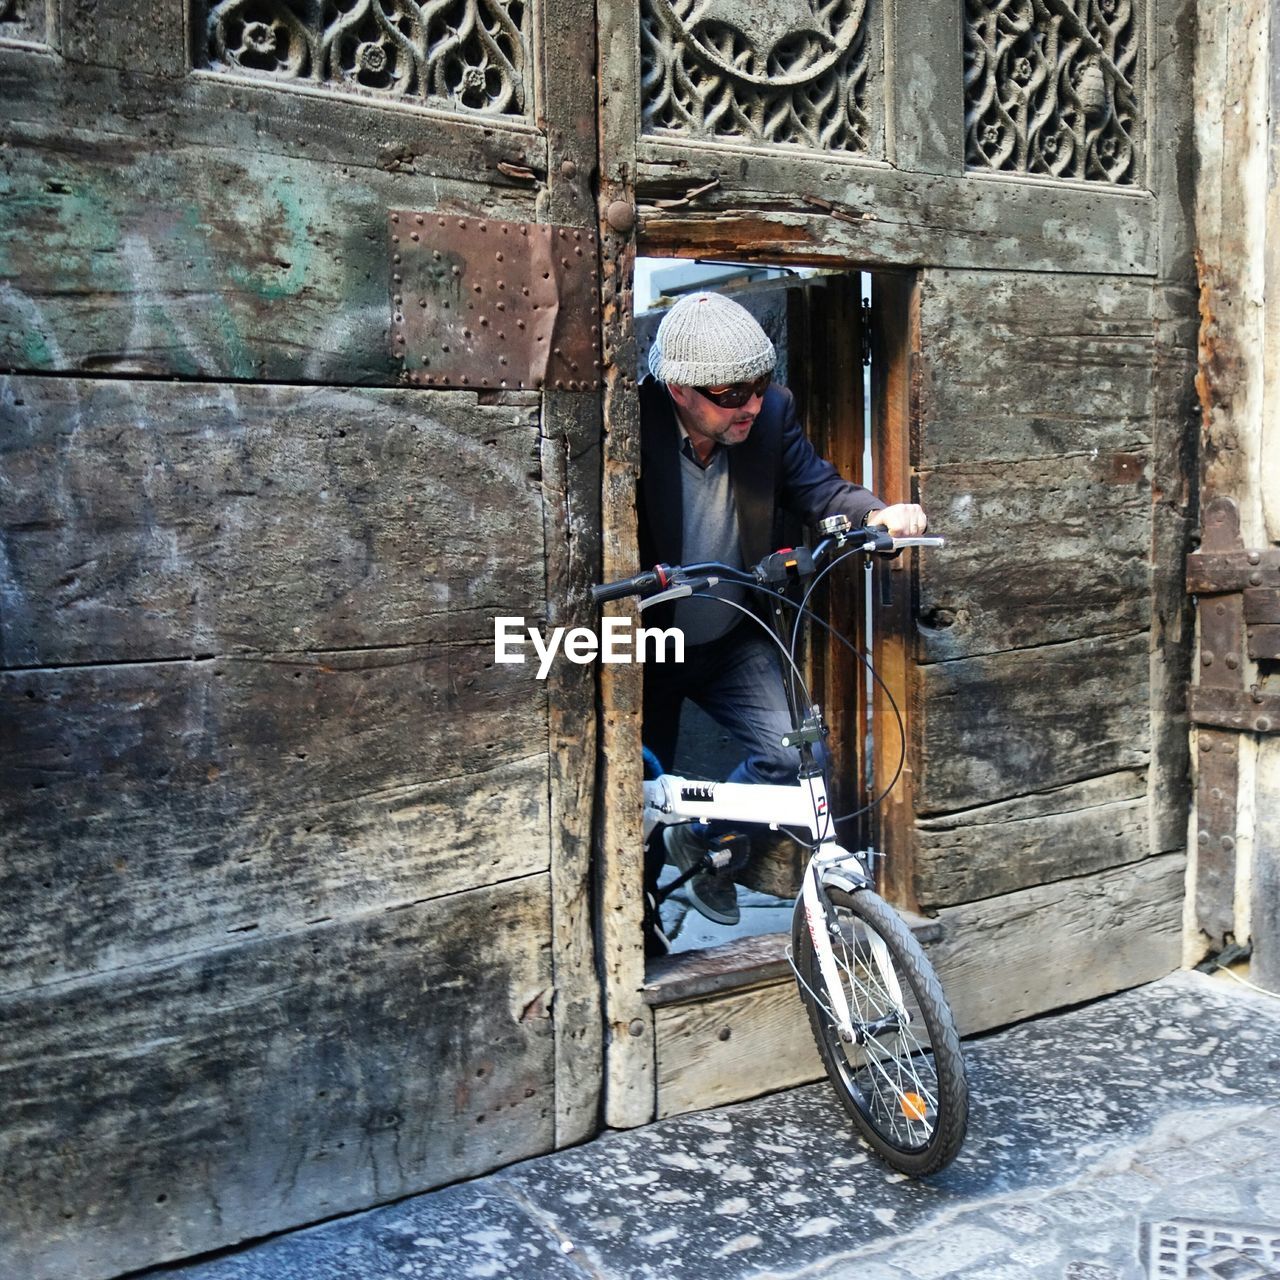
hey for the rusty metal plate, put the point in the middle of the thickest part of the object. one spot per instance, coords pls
(1217, 778)
(1244, 711)
(1208, 573)
(487, 304)
(1262, 605)
(1264, 643)
(1221, 616)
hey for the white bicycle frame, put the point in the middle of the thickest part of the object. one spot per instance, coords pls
(670, 799)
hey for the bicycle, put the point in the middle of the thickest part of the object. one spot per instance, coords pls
(882, 1025)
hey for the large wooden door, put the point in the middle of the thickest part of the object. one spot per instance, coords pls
(295, 876)
(1014, 171)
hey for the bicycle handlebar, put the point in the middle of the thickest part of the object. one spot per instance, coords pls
(667, 577)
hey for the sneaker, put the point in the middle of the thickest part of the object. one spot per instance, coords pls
(713, 894)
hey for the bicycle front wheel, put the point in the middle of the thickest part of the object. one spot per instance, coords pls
(902, 1078)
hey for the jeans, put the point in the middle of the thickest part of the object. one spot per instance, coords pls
(737, 681)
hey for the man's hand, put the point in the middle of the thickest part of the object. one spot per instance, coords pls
(905, 520)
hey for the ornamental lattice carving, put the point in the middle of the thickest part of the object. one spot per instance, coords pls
(784, 72)
(467, 55)
(1051, 87)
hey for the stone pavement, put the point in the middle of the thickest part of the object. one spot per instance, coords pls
(1134, 1138)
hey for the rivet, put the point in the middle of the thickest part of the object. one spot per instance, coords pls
(1262, 724)
(395, 217)
(457, 271)
(1228, 843)
(724, 1033)
(400, 338)
(444, 346)
(465, 379)
(399, 319)
(484, 226)
(395, 279)
(1221, 609)
(577, 235)
(1206, 659)
(502, 359)
(462, 226)
(475, 288)
(564, 262)
(524, 231)
(502, 284)
(422, 302)
(559, 385)
(562, 233)
(525, 290)
(1255, 557)
(519, 324)
(440, 222)
(1255, 579)
(413, 235)
(466, 333)
(395, 258)
(395, 239)
(637, 1027)
(498, 256)
(559, 352)
(418, 218)
(577, 251)
(484, 322)
(502, 337)
(397, 299)
(1206, 745)
(1232, 661)
(435, 254)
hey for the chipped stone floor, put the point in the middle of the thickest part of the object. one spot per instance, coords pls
(1137, 1138)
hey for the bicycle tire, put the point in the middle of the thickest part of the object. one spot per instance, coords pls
(905, 1087)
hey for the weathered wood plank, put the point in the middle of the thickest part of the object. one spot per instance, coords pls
(166, 1111)
(775, 207)
(1020, 954)
(1016, 366)
(1014, 844)
(1039, 551)
(142, 521)
(999, 726)
(629, 1095)
(924, 75)
(735, 1046)
(571, 470)
(152, 810)
(204, 262)
(66, 106)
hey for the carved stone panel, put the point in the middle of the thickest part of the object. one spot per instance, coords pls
(471, 56)
(792, 73)
(1053, 88)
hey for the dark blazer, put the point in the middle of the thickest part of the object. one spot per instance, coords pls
(774, 469)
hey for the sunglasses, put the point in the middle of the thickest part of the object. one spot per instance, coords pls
(736, 394)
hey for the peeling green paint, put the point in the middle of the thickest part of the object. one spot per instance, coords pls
(287, 262)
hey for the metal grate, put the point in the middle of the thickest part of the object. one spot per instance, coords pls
(1184, 1250)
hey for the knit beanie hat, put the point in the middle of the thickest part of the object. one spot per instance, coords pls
(707, 340)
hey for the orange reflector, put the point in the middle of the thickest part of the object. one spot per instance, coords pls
(913, 1106)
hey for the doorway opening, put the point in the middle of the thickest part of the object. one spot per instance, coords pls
(820, 322)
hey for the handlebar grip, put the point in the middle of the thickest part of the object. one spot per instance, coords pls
(624, 587)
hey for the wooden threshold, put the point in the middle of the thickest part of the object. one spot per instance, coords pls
(734, 966)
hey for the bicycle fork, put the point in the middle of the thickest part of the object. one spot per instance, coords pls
(822, 926)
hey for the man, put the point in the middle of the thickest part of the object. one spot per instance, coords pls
(722, 454)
